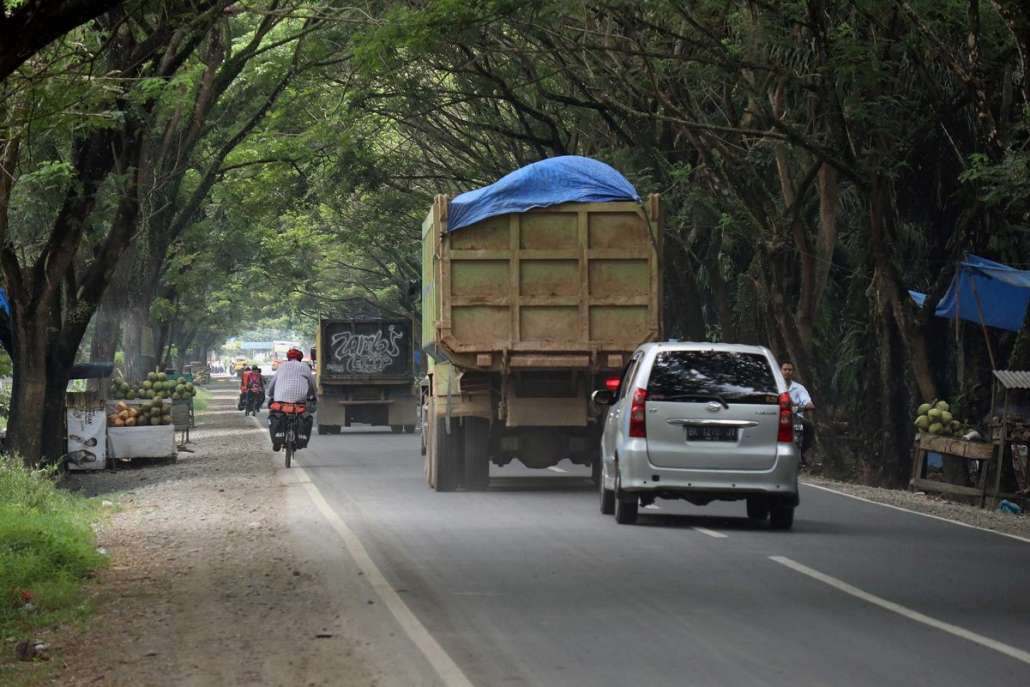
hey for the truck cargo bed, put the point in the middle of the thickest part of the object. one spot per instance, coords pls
(568, 286)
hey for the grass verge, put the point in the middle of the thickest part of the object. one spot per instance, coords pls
(201, 400)
(47, 549)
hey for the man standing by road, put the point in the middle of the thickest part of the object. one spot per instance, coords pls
(802, 402)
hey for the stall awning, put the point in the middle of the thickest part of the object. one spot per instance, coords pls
(1001, 293)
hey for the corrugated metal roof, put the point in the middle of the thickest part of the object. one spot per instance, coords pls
(1013, 379)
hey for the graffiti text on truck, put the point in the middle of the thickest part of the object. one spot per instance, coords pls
(365, 353)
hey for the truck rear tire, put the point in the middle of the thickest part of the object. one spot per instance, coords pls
(446, 454)
(477, 453)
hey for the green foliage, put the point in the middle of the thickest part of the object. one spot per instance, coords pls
(47, 549)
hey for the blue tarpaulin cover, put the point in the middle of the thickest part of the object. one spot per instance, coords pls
(5, 305)
(1003, 292)
(556, 180)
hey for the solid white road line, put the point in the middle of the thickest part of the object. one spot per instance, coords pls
(652, 506)
(710, 533)
(555, 468)
(915, 512)
(955, 630)
(449, 672)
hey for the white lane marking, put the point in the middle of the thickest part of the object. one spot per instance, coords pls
(955, 630)
(915, 512)
(710, 533)
(441, 661)
(555, 468)
(449, 672)
(652, 506)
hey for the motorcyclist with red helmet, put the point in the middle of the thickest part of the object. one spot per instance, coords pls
(292, 383)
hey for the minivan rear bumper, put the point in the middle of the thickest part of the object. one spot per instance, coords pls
(639, 476)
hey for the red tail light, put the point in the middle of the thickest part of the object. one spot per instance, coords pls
(786, 433)
(612, 384)
(637, 421)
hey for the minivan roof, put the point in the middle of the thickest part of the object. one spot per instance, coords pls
(703, 346)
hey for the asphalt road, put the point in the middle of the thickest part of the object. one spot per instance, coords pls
(528, 584)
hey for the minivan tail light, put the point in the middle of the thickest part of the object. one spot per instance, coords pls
(612, 384)
(637, 410)
(786, 431)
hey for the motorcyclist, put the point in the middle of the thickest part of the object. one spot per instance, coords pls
(244, 374)
(293, 382)
(255, 388)
(801, 400)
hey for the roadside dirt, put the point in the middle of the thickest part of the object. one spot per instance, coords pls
(206, 585)
(930, 504)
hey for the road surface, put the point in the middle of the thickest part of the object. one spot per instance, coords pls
(528, 584)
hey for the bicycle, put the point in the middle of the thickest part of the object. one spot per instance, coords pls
(290, 415)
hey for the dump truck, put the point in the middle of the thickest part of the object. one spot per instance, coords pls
(365, 376)
(524, 315)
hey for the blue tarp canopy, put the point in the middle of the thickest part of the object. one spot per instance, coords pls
(556, 180)
(5, 305)
(1003, 293)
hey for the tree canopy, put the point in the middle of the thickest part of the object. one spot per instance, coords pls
(179, 172)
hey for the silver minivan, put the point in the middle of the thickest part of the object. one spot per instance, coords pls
(701, 422)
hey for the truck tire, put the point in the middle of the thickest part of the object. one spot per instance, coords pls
(446, 454)
(477, 453)
(396, 429)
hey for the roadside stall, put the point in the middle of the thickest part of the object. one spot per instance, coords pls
(989, 294)
(140, 418)
(86, 421)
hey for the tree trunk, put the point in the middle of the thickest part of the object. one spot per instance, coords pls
(28, 392)
(140, 357)
(106, 329)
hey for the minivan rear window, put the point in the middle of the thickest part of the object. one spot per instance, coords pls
(723, 376)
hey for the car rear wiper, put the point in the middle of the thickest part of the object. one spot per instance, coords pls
(699, 397)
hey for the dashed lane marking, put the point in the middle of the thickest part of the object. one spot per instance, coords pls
(915, 512)
(954, 630)
(710, 533)
(555, 468)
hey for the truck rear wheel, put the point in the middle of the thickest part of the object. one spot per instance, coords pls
(445, 455)
(477, 453)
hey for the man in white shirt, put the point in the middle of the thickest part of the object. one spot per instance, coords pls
(802, 401)
(293, 383)
(799, 395)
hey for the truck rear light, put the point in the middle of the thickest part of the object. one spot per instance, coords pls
(786, 431)
(612, 384)
(637, 411)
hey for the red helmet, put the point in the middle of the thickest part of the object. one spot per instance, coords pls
(294, 354)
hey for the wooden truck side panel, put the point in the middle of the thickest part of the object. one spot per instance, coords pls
(574, 286)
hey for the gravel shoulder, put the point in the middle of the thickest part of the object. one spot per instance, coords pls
(222, 573)
(930, 504)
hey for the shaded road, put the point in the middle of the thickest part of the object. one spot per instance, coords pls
(528, 584)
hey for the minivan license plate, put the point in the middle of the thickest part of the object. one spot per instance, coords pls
(711, 433)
